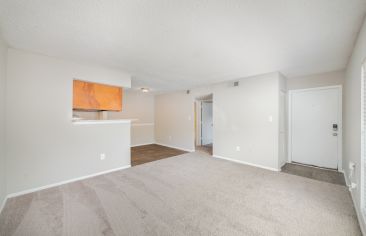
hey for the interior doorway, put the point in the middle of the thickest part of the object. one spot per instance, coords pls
(204, 123)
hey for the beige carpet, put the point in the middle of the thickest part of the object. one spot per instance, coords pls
(191, 194)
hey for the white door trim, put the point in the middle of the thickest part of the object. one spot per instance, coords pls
(340, 125)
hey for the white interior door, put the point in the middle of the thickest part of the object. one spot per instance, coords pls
(315, 125)
(206, 123)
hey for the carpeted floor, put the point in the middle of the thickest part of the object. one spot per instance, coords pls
(205, 148)
(191, 194)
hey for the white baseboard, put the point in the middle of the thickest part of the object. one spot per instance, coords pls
(142, 144)
(65, 182)
(360, 217)
(83, 177)
(170, 146)
(246, 163)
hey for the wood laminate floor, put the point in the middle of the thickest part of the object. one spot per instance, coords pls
(152, 152)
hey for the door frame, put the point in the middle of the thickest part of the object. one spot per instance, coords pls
(340, 125)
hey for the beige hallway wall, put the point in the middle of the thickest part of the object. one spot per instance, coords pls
(174, 120)
(140, 107)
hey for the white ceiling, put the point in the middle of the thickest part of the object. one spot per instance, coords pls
(177, 44)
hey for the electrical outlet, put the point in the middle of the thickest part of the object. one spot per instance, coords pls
(102, 156)
(238, 148)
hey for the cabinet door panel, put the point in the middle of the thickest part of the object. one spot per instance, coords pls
(93, 96)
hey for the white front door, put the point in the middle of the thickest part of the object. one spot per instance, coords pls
(207, 123)
(315, 125)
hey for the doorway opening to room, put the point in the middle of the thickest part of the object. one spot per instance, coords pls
(204, 123)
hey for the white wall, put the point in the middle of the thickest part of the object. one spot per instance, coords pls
(318, 80)
(174, 120)
(141, 108)
(43, 146)
(352, 114)
(3, 51)
(241, 119)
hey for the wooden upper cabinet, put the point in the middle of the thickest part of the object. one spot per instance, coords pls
(96, 97)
